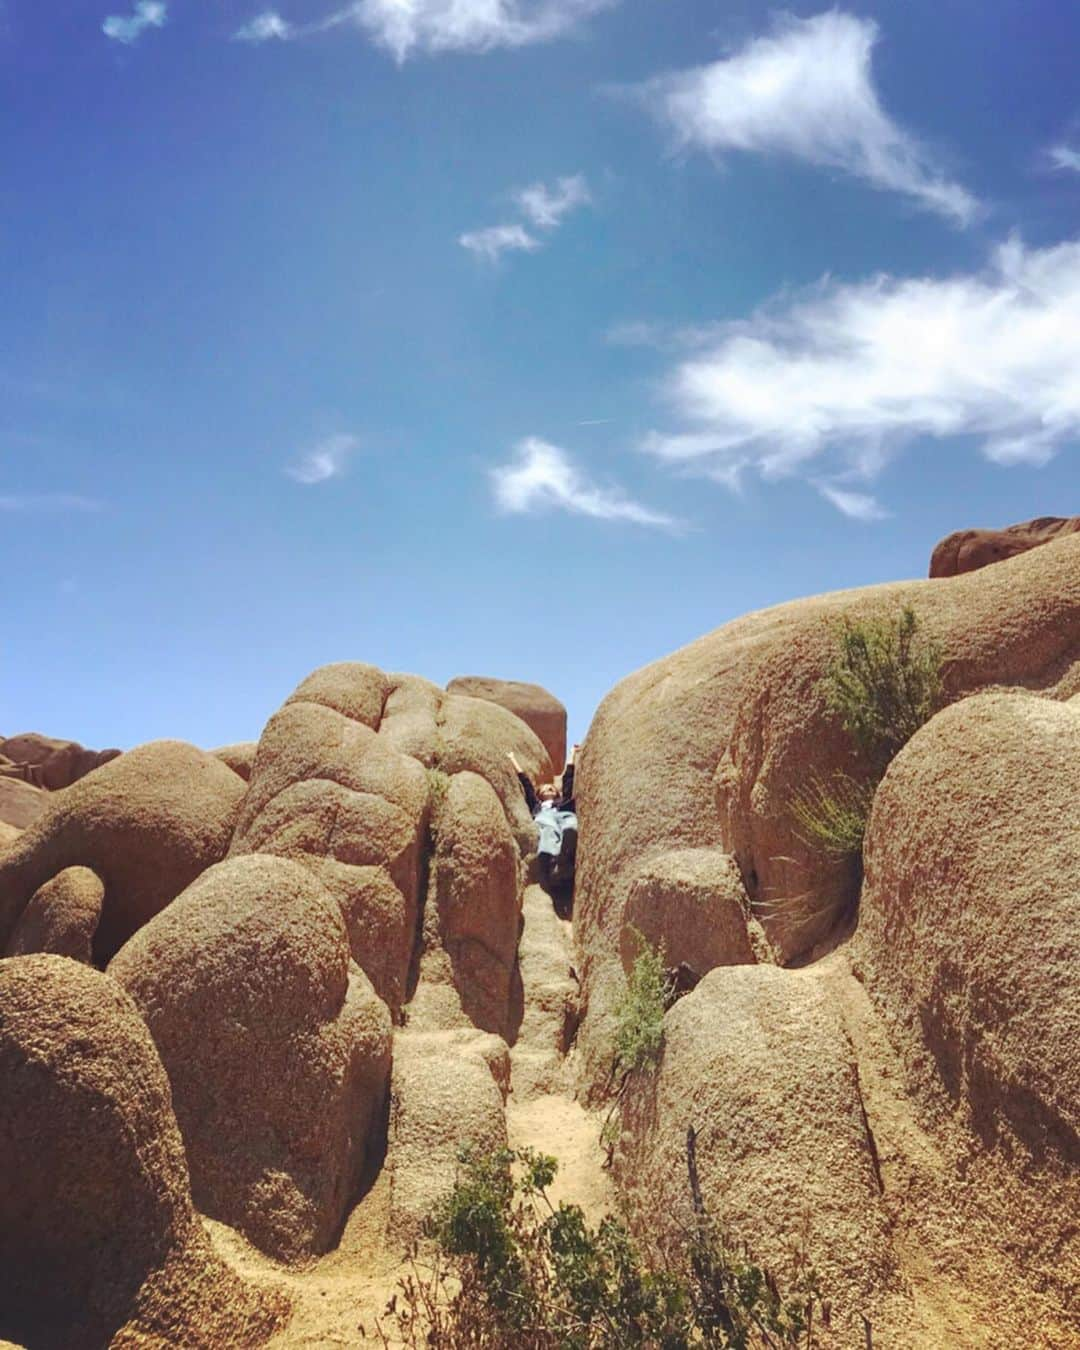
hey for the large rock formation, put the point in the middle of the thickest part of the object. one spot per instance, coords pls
(968, 550)
(757, 1062)
(147, 823)
(707, 747)
(99, 1243)
(342, 782)
(47, 762)
(276, 1047)
(533, 704)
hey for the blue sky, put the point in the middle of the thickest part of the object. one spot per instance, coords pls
(512, 338)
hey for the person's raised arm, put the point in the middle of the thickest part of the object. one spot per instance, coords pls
(531, 799)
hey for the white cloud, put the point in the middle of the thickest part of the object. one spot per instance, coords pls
(267, 27)
(406, 27)
(1064, 157)
(806, 90)
(27, 502)
(542, 206)
(323, 461)
(491, 243)
(858, 505)
(147, 14)
(542, 476)
(545, 207)
(856, 371)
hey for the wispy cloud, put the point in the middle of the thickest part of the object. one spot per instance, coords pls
(326, 460)
(129, 28)
(407, 27)
(545, 206)
(855, 372)
(267, 27)
(857, 505)
(542, 476)
(1064, 157)
(48, 502)
(807, 91)
(491, 243)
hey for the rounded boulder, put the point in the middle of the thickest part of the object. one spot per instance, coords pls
(275, 1043)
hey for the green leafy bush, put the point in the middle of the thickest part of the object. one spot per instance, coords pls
(511, 1269)
(883, 683)
(639, 1014)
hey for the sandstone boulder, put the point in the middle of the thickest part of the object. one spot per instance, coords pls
(538, 709)
(707, 747)
(99, 1243)
(969, 922)
(147, 823)
(326, 790)
(276, 1046)
(968, 550)
(8, 835)
(691, 905)
(20, 803)
(62, 917)
(239, 757)
(50, 763)
(478, 893)
(757, 1062)
(448, 1092)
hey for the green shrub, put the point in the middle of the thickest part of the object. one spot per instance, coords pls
(884, 682)
(832, 814)
(438, 786)
(510, 1268)
(639, 1014)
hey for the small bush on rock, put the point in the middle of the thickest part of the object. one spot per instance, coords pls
(639, 1014)
(510, 1268)
(884, 683)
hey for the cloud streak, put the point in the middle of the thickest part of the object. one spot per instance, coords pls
(1064, 157)
(543, 477)
(129, 28)
(495, 240)
(408, 27)
(543, 207)
(855, 372)
(805, 91)
(324, 461)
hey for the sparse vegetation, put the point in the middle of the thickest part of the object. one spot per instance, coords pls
(438, 786)
(639, 1014)
(884, 683)
(510, 1268)
(832, 814)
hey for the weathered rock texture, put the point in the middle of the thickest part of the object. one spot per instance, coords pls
(276, 1046)
(147, 823)
(343, 782)
(968, 932)
(706, 748)
(20, 803)
(757, 1062)
(690, 905)
(968, 550)
(478, 894)
(62, 917)
(47, 762)
(99, 1243)
(239, 757)
(533, 704)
